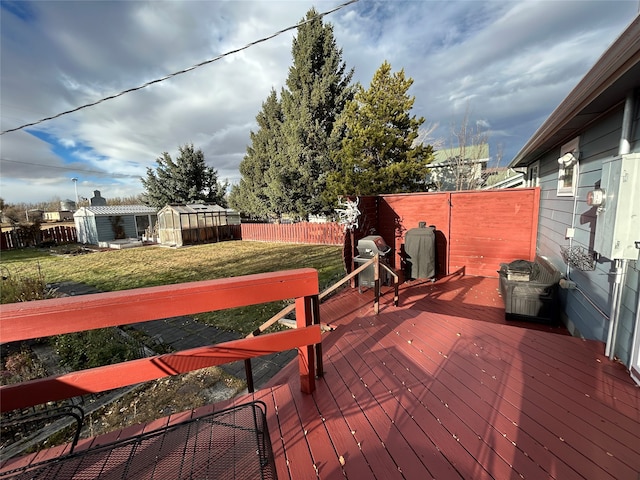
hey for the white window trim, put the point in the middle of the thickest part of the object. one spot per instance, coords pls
(571, 189)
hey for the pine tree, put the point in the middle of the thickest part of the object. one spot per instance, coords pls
(378, 154)
(317, 89)
(188, 179)
(260, 191)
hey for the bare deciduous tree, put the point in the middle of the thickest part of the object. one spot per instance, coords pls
(460, 165)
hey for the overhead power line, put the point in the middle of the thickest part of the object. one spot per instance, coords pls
(171, 75)
(71, 169)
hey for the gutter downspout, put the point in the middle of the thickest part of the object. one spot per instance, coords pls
(620, 276)
(620, 264)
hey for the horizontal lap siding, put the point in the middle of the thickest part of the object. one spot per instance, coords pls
(556, 215)
(598, 143)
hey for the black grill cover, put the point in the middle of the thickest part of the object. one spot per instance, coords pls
(420, 249)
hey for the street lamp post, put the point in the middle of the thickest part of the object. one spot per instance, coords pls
(75, 186)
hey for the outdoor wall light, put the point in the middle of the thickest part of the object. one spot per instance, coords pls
(568, 159)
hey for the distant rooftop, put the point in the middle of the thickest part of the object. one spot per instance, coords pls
(119, 210)
(477, 153)
(199, 208)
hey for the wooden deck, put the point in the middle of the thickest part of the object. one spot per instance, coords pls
(442, 387)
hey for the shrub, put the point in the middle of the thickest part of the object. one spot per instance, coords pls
(95, 348)
(23, 285)
(20, 366)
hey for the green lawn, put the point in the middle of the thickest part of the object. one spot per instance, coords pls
(150, 266)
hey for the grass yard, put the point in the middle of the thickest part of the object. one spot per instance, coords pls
(151, 266)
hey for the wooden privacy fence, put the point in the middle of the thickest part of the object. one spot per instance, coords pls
(475, 230)
(304, 232)
(21, 238)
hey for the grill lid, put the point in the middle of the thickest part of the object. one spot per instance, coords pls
(372, 244)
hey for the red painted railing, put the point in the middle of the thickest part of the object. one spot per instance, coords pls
(23, 321)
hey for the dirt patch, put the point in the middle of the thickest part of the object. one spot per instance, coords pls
(164, 397)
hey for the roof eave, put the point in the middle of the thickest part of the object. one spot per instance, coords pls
(621, 57)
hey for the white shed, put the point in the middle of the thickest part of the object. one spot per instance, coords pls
(99, 224)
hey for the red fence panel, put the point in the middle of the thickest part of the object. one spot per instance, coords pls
(475, 230)
(490, 227)
(303, 232)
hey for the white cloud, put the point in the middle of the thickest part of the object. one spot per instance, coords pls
(510, 62)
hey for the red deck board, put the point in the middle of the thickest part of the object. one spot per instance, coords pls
(536, 398)
(298, 457)
(572, 372)
(353, 461)
(505, 421)
(385, 412)
(560, 421)
(367, 439)
(402, 370)
(323, 452)
(402, 412)
(576, 377)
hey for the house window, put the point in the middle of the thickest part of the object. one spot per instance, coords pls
(568, 168)
(533, 175)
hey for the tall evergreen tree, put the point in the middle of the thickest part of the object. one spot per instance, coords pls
(259, 192)
(378, 154)
(188, 179)
(317, 90)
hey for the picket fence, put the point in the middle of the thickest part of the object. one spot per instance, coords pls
(20, 239)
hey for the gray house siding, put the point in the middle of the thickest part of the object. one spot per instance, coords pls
(584, 307)
(603, 111)
(104, 226)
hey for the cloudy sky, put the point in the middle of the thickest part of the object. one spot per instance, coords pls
(509, 63)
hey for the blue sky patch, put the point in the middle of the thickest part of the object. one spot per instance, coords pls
(20, 9)
(68, 154)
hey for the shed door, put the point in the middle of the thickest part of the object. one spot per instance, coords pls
(142, 223)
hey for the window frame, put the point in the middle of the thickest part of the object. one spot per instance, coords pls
(569, 189)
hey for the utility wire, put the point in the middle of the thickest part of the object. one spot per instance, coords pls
(171, 75)
(98, 172)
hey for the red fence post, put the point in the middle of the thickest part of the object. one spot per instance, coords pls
(306, 362)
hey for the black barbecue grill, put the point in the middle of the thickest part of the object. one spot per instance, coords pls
(368, 247)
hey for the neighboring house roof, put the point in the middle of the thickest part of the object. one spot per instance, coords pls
(503, 178)
(473, 153)
(116, 210)
(616, 73)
